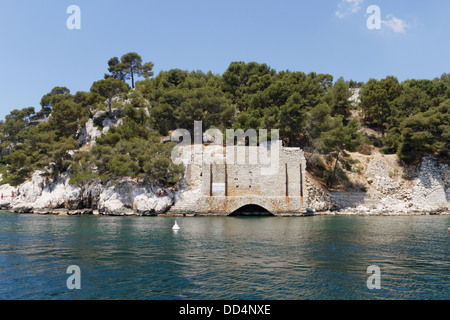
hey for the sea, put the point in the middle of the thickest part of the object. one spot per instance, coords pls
(48, 257)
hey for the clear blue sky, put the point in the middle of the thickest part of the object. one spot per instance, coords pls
(38, 51)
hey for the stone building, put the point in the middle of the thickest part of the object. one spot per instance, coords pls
(227, 180)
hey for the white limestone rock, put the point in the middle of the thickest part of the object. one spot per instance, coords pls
(37, 194)
(6, 193)
(128, 197)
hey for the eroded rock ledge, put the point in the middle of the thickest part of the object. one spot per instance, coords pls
(124, 197)
(389, 189)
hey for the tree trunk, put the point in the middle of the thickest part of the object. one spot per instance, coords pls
(335, 165)
(109, 106)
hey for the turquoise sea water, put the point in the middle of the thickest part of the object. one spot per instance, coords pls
(321, 257)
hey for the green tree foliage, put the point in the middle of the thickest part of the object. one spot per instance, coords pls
(116, 69)
(109, 88)
(438, 90)
(411, 101)
(404, 111)
(245, 78)
(11, 130)
(57, 94)
(329, 135)
(129, 150)
(318, 120)
(426, 132)
(175, 77)
(67, 117)
(377, 100)
(311, 111)
(275, 100)
(179, 106)
(88, 100)
(31, 145)
(340, 98)
(292, 116)
(339, 137)
(129, 67)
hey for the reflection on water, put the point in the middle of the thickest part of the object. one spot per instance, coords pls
(224, 257)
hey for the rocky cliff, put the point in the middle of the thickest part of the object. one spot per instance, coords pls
(124, 197)
(385, 187)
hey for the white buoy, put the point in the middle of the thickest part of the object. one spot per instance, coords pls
(176, 226)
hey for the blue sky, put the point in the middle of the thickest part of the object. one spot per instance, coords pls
(39, 52)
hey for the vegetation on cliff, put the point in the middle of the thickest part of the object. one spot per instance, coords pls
(313, 111)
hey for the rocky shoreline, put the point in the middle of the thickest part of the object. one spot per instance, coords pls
(124, 197)
(425, 192)
(96, 212)
(386, 188)
(383, 213)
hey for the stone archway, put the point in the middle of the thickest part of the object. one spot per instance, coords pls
(251, 210)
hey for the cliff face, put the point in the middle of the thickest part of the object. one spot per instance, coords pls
(124, 197)
(387, 188)
(384, 187)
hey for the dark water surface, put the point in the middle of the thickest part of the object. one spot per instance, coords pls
(322, 257)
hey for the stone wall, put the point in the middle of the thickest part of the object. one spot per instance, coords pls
(221, 187)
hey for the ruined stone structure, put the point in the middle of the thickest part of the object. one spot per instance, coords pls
(224, 180)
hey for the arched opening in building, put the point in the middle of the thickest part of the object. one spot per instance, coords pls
(251, 210)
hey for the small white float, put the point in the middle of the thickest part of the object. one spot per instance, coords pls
(176, 226)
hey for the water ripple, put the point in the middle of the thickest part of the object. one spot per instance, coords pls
(224, 258)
